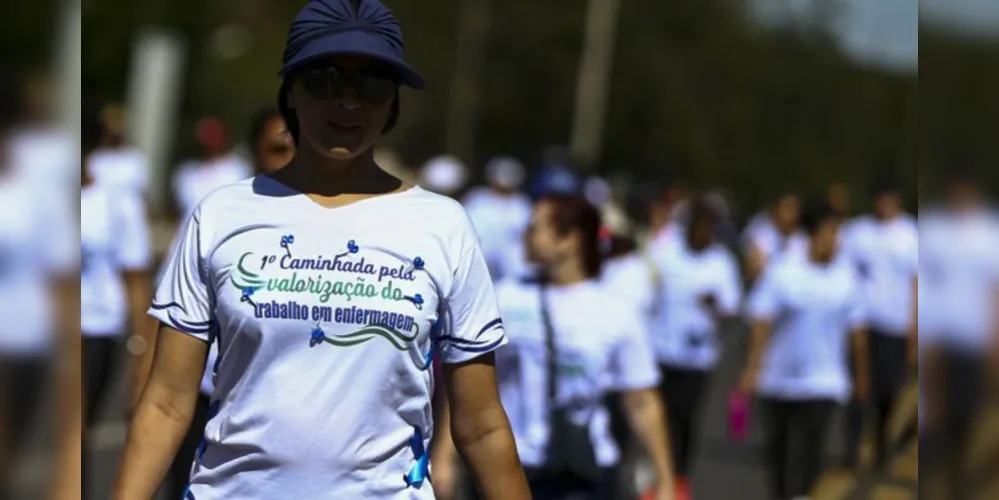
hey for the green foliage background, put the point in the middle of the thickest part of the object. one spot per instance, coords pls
(697, 92)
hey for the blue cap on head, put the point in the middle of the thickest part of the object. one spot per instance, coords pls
(329, 27)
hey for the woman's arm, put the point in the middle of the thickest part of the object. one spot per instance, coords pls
(163, 414)
(143, 339)
(861, 364)
(647, 417)
(759, 335)
(69, 393)
(481, 431)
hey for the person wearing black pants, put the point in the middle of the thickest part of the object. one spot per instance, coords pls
(805, 312)
(794, 433)
(889, 373)
(115, 284)
(700, 287)
(884, 249)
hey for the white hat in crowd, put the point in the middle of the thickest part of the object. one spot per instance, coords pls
(444, 174)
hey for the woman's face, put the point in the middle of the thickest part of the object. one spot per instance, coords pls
(342, 104)
(544, 245)
(826, 238)
(701, 233)
(787, 211)
(276, 146)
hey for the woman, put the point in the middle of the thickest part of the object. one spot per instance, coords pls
(570, 325)
(959, 269)
(215, 167)
(701, 286)
(273, 148)
(805, 311)
(327, 290)
(114, 285)
(38, 294)
(773, 233)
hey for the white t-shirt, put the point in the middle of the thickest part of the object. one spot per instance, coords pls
(125, 168)
(48, 156)
(500, 220)
(886, 256)
(37, 241)
(684, 332)
(630, 278)
(601, 346)
(325, 320)
(763, 235)
(813, 310)
(194, 180)
(959, 276)
(114, 238)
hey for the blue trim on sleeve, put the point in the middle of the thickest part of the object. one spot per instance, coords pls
(498, 322)
(474, 347)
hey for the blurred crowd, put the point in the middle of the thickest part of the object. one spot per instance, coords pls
(839, 307)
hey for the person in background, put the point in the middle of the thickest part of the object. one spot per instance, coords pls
(805, 311)
(664, 222)
(37, 144)
(272, 148)
(115, 162)
(323, 391)
(39, 301)
(959, 266)
(115, 280)
(571, 342)
(884, 249)
(217, 166)
(838, 195)
(772, 233)
(445, 175)
(499, 212)
(701, 287)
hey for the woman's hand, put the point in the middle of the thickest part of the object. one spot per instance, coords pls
(666, 490)
(747, 383)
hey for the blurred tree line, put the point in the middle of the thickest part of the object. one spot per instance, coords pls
(697, 91)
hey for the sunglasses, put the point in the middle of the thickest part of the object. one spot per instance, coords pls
(328, 82)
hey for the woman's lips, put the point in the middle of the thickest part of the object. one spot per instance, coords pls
(344, 128)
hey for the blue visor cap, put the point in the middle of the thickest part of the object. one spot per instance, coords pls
(331, 27)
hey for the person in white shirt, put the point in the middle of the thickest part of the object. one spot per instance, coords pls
(959, 267)
(500, 212)
(773, 232)
(216, 167)
(327, 285)
(38, 297)
(805, 311)
(115, 162)
(701, 286)
(115, 279)
(568, 322)
(272, 148)
(884, 249)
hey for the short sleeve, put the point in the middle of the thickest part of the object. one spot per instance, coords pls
(182, 299)
(473, 326)
(729, 286)
(633, 365)
(764, 300)
(133, 249)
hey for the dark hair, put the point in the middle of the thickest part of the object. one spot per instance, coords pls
(701, 210)
(575, 213)
(783, 193)
(816, 214)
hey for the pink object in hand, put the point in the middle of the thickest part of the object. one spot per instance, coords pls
(738, 416)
